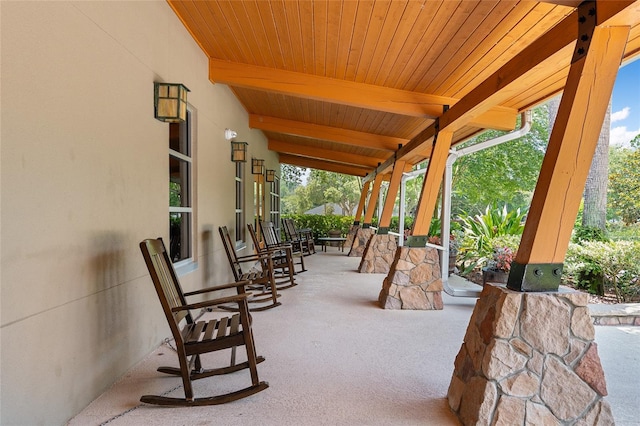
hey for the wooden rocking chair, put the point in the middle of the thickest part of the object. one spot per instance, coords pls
(305, 239)
(272, 240)
(282, 261)
(195, 338)
(260, 274)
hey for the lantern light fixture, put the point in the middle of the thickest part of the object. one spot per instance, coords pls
(271, 175)
(257, 166)
(170, 102)
(239, 152)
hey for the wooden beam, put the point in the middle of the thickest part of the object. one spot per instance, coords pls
(571, 146)
(373, 200)
(325, 154)
(323, 165)
(392, 192)
(361, 203)
(431, 183)
(316, 131)
(344, 92)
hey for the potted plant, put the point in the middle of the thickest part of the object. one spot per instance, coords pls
(454, 244)
(497, 269)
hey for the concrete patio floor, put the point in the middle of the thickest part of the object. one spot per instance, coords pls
(333, 357)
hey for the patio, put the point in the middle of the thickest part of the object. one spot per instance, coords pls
(334, 357)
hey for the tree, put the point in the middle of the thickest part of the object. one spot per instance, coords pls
(624, 183)
(594, 214)
(328, 187)
(507, 172)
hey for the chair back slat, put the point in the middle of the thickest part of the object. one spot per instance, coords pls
(165, 281)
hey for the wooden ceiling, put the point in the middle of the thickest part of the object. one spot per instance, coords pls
(341, 85)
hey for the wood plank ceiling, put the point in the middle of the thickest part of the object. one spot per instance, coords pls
(339, 85)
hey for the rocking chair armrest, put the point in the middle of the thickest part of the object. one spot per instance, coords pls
(213, 302)
(251, 258)
(217, 287)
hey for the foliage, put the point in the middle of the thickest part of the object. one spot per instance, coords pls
(394, 226)
(624, 184)
(506, 172)
(618, 261)
(325, 187)
(588, 233)
(619, 231)
(484, 233)
(320, 225)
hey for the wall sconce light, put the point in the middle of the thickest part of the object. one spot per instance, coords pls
(271, 175)
(170, 102)
(239, 152)
(257, 166)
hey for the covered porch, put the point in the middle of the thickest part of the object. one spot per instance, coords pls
(333, 356)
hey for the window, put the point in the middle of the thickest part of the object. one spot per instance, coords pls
(240, 232)
(180, 190)
(258, 200)
(274, 215)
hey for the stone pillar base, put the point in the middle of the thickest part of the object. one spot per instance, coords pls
(414, 280)
(353, 230)
(378, 254)
(360, 241)
(529, 358)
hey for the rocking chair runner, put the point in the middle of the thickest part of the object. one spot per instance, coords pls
(282, 261)
(272, 240)
(195, 338)
(261, 279)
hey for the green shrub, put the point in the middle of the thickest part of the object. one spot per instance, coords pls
(320, 225)
(588, 233)
(617, 261)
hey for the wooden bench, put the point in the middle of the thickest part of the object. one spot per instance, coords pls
(330, 241)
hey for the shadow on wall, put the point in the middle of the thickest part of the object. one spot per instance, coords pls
(112, 307)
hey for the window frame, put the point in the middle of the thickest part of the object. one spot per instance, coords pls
(239, 180)
(187, 263)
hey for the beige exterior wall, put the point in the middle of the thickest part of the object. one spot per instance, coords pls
(84, 172)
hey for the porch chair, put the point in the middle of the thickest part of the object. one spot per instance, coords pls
(272, 239)
(281, 257)
(304, 238)
(195, 338)
(260, 274)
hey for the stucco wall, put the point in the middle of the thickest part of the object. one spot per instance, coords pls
(84, 171)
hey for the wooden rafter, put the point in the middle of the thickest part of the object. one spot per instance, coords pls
(325, 154)
(334, 134)
(323, 165)
(344, 92)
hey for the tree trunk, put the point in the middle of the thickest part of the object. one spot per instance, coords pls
(595, 192)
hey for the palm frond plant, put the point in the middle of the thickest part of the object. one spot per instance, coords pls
(481, 231)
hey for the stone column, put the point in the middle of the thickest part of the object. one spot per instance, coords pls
(353, 230)
(360, 242)
(414, 280)
(378, 254)
(529, 359)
